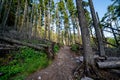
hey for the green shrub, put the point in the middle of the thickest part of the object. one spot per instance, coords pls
(24, 63)
(56, 48)
(75, 47)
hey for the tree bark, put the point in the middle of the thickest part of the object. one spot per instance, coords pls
(31, 22)
(101, 30)
(49, 20)
(28, 25)
(45, 24)
(5, 17)
(36, 22)
(24, 15)
(109, 64)
(88, 54)
(40, 29)
(21, 43)
(78, 30)
(16, 15)
(1, 6)
(73, 22)
(97, 30)
(24, 20)
(113, 58)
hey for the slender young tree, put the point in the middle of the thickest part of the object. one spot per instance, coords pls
(71, 9)
(16, 14)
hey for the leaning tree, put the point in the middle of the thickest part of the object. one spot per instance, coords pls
(89, 68)
(88, 54)
(97, 30)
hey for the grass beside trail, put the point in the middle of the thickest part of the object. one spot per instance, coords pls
(22, 63)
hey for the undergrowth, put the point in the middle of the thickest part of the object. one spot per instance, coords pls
(23, 63)
(56, 48)
(75, 47)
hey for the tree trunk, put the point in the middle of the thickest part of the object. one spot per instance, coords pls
(97, 30)
(40, 29)
(88, 54)
(78, 30)
(73, 22)
(16, 15)
(31, 22)
(1, 6)
(36, 21)
(109, 64)
(49, 34)
(101, 30)
(113, 58)
(19, 18)
(24, 20)
(22, 43)
(5, 17)
(28, 26)
(45, 24)
(49, 21)
(58, 29)
(24, 15)
(70, 37)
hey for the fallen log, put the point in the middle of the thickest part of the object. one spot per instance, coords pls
(109, 64)
(4, 49)
(47, 48)
(21, 43)
(81, 58)
(113, 59)
(5, 45)
(42, 45)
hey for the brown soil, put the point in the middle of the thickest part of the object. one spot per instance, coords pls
(61, 68)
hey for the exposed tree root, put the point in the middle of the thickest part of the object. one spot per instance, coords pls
(94, 73)
(79, 70)
(90, 71)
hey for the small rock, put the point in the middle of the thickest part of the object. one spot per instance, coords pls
(46, 72)
(39, 78)
(1, 74)
(70, 78)
(72, 59)
(78, 61)
(59, 64)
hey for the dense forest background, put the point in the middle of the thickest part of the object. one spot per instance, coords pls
(33, 29)
(57, 21)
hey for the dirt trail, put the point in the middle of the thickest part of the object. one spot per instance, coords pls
(61, 68)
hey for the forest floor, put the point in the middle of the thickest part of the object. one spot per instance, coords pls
(61, 69)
